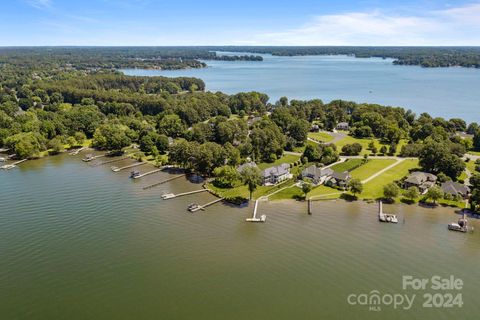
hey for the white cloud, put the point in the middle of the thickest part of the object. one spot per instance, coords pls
(40, 4)
(453, 26)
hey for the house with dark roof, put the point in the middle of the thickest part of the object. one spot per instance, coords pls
(343, 126)
(339, 179)
(246, 165)
(316, 174)
(274, 175)
(455, 189)
(422, 180)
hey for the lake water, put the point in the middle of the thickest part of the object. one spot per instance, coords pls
(445, 92)
(81, 242)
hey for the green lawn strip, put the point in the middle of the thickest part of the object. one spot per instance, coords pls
(287, 158)
(288, 193)
(371, 167)
(374, 188)
(322, 190)
(242, 190)
(365, 143)
(475, 153)
(347, 165)
(320, 136)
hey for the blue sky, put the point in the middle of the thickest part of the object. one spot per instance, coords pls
(246, 22)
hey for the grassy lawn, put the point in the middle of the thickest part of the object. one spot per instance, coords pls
(365, 143)
(476, 153)
(370, 168)
(320, 136)
(287, 158)
(374, 188)
(347, 165)
(322, 190)
(242, 190)
(289, 193)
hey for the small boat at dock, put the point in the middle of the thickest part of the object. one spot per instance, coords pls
(192, 207)
(460, 226)
(2, 159)
(386, 217)
(134, 174)
(88, 158)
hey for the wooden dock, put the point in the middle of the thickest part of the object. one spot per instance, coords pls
(163, 181)
(90, 157)
(254, 217)
(12, 165)
(110, 161)
(77, 151)
(171, 195)
(4, 150)
(203, 206)
(148, 173)
(115, 169)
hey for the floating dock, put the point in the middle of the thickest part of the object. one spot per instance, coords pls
(171, 195)
(115, 169)
(203, 206)
(163, 181)
(254, 218)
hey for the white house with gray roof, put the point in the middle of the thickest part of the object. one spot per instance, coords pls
(316, 174)
(277, 174)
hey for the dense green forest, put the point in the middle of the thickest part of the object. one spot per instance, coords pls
(46, 107)
(168, 58)
(88, 58)
(423, 56)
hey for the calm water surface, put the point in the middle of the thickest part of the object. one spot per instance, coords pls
(445, 92)
(81, 242)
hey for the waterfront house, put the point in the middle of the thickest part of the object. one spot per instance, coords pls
(455, 189)
(339, 179)
(316, 174)
(246, 165)
(274, 175)
(343, 126)
(422, 180)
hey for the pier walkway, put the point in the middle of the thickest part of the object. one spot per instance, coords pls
(203, 206)
(90, 157)
(254, 217)
(110, 161)
(171, 195)
(75, 152)
(12, 165)
(148, 173)
(163, 181)
(115, 169)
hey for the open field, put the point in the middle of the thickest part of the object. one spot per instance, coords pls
(374, 188)
(365, 143)
(320, 136)
(370, 168)
(347, 165)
